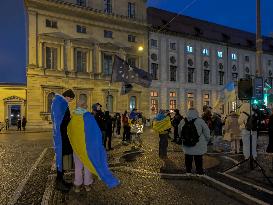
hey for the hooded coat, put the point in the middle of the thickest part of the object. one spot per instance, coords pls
(232, 128)
(203, 131)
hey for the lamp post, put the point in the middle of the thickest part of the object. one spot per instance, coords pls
(259, 40)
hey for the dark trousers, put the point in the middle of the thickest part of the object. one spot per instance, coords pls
(198, 160)
(126, 133)
(175, 133)
(109, 137)
(163, 145)
(118, 130)
(60, 176)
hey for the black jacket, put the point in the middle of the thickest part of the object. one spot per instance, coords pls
(66, 146)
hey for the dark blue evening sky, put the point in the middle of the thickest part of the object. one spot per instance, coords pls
(233, 13)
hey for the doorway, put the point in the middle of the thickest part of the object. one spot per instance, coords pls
(14, 114)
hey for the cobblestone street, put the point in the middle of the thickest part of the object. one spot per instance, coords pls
(145, 179)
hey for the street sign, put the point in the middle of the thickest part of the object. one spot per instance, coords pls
(258, 88)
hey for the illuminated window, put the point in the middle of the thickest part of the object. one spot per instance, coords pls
(233, 56)
(172, 94)
(206, 99)
(132, 102)
(172, 104)
(220, 54)
(190, 100)
(205, 52)
(154, 105)
(154, 94)
(189, 49)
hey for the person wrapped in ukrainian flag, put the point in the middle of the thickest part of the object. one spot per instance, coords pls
(88, 151)
(162, 124)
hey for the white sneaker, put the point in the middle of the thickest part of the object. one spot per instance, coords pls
(77, 189)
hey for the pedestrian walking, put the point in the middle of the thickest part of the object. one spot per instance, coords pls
(7, 123)
(175, 122)
(24, 123)
(233, 132)
(60, 116)
(162, 125)
(108, 130)
(195, 136)
(126, 127)
(248, 123)
(217, 131)
(19, 124)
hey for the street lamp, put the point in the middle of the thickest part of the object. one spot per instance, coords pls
(140, 48)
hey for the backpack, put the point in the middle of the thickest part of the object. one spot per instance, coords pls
(189, 133)
(251, 123)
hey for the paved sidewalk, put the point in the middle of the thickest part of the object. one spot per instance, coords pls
(146, 179)
(32, 130)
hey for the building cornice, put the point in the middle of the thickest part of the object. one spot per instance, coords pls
(73, 10)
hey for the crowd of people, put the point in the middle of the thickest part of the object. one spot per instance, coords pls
(87, 135)
(196, 132)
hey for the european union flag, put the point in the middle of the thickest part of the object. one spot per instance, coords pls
(123, 72)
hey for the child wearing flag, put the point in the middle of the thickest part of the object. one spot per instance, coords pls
(162, 124)
(79, 179)
(89, 153)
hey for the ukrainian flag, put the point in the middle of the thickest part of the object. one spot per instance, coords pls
(227, 94)
(162, 125)
(86, 140)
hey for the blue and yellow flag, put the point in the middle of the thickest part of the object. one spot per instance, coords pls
(86, 140)
(228, 94)
(162, 125)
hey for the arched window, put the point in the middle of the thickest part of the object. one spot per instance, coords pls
(132, 102)
(50, 97)
(83, 98)
(110, 102)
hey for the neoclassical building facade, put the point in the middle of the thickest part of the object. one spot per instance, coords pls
(72, 44)
(12, 102)
(192, 60)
